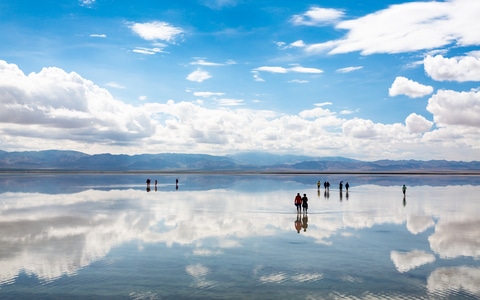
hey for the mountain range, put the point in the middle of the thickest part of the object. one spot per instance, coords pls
(60, 160)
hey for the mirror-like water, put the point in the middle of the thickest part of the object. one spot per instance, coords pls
(231, 236)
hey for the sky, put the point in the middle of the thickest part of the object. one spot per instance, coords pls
(366, 80)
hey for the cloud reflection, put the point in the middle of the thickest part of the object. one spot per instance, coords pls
(50, 236)
(404, 262)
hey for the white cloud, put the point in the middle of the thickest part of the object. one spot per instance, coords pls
(53, 109)
(98, 35)
(429, 25)
(156, 30)
(207, 94)
(460, 69)
(417, 124)
(272, 69)
(282, 70)
(114, 85)
(455, 108)
(198, 75)
(147, 51)
(317, 16)
(405, 86)
(229, 102)
(256, 76)
(298, 81)
(348, 69)
(87, 3)
(203, 62)
(56, 105)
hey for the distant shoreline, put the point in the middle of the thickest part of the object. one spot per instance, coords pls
(237, 172)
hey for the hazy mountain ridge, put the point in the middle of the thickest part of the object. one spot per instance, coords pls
(261, 161)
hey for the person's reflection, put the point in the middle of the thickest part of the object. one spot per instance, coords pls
(404, 201)
(305, 222)
(298, 223)
(341, 196)
(148, 185)
(346, 195)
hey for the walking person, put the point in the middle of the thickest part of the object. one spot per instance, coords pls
(298, 202)
(305, 203)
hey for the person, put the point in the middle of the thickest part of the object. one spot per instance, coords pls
(404, 189)
(340, 185)
(298, 202)
(347, 186)
(318, 185)
(305, 203)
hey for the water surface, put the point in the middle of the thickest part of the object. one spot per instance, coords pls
(238, 236)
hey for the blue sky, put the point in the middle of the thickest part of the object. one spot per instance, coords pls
(362, 79)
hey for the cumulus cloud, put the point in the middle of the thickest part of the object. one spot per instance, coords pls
(198, 75)
(405, 86)
(455, 108)
(317, 16)
(460, 69)
(153, 31)
(429, 25)
(53, 109)
(59, 105)
(417, 124)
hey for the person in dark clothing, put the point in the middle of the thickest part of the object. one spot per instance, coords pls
(305, 203)
(347, 186)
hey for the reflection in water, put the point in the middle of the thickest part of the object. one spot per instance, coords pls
(53, 235)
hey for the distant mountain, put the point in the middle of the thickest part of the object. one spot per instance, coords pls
(248, 161)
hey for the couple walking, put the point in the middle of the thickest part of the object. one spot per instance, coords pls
(301, 202)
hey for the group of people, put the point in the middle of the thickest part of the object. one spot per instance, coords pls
(301, 202)
(148, 181)
(326, 185)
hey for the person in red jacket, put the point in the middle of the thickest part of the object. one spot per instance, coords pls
(298, 203)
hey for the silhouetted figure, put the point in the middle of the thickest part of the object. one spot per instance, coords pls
(148, 184)
(298, 223)
(325, 185)
(176, 184)
(340, 186)
(328, 185)
(298, 202)
(404, 189)
(305, 222)
(318, 185)
(305, 203)
(347, 186)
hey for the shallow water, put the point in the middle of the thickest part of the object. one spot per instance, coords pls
(235, 236)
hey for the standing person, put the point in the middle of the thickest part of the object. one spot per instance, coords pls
(298, 202)
(347, 186)
(318, 185)
(340, 185)
(305, 203)
(404, 189)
